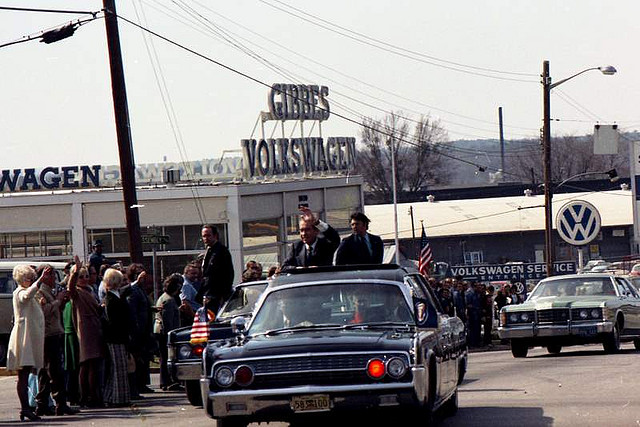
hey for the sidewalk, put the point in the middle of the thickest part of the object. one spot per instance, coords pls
(496, 345)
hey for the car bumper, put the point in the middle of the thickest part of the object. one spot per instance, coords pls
(184, 371)
(583, 329)
(267, 404)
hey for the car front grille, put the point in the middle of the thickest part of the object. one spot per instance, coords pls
(553, 316)
(325, 369)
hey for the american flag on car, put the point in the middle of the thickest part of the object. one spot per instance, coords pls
(200, 328)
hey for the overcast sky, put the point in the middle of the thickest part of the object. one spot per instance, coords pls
(57, 108)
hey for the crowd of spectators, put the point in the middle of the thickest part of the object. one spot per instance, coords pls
(90, 338)
(476, 304)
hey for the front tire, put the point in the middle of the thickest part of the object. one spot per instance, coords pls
(193, 392)
(462, 370)
(519, 349)
(554, 349)
(611, 342)
(450, 407)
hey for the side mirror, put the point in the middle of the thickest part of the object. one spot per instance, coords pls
(238, 325)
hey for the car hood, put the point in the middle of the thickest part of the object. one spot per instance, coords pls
(543, 303)
(316, 341)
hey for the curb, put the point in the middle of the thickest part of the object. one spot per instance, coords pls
(4, 372)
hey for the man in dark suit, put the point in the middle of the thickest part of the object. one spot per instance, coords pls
(361, 247)
(217, 270)
(317, 244)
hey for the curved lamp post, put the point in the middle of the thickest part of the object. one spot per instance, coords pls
(546, 149)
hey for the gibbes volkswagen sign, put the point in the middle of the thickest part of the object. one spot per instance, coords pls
(276, 156)
(578, 222)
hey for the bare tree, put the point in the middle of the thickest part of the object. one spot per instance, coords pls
(417, 152)
(570, 156)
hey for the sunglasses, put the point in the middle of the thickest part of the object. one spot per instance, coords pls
(84, 276)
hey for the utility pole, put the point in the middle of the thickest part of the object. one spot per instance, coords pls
(125, 146)
(501, 140)
(546, 162)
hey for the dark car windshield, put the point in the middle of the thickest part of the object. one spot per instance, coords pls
(331, 304)
(574, 287)
(242, 301)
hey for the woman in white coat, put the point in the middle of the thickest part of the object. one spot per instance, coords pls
(26, 343)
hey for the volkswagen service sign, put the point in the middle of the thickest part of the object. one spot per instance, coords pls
(578, 222)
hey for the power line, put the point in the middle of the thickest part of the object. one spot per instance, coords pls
(398, 53)
(404, 49)
(71, 26)
(255, 80)
(228, 35)
(173, 119)
(318, 63)
(30, 9)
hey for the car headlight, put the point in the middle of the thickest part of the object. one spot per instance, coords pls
(396, 367)
(584, 314)
(525, 317)
(596, 313)
(224, 376)
(184, 352)
(513, 318)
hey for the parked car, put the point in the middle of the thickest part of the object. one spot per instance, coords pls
(635, 271)
(185, 359)
(574, 309)
(337, 340)
(600, 268)
(592, 263)
(7, 286)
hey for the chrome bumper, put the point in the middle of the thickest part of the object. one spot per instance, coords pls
(187, 370)
(582, 329)
(251, 402)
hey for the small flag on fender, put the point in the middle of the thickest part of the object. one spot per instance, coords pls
(200, 328)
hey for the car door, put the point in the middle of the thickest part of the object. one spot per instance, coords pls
(630, 306)
(447, 378)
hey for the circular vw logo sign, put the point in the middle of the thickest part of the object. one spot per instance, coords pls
(578, 222)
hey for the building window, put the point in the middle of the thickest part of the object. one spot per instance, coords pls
(36, 244)
(260, 232)
(181, 238)
(474, 257)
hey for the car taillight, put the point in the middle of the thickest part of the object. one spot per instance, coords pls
(244, 375)
(376, 369)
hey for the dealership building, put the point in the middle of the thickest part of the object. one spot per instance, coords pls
(256, 218)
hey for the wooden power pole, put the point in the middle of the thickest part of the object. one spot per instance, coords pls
(125, 146)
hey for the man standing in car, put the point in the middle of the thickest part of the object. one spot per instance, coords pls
(318, 242)
(217, 269)
(361, 247)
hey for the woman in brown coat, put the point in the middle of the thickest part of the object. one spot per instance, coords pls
(87, 314)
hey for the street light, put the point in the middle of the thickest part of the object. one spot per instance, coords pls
(546, 156)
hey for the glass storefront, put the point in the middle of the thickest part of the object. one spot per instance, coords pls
(36, 244)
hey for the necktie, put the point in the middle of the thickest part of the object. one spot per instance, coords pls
(307, 255)
(367, 244)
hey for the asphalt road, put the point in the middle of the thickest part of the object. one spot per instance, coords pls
(580, 387)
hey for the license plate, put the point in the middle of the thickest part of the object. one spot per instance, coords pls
(584, 332)
(311, 403)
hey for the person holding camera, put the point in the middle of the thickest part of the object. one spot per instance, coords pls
(26, 343)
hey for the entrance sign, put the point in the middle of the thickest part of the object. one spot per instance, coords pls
(578, 222)
(519, 272)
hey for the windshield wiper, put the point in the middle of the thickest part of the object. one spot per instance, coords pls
(368, 325)
(299, 328)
